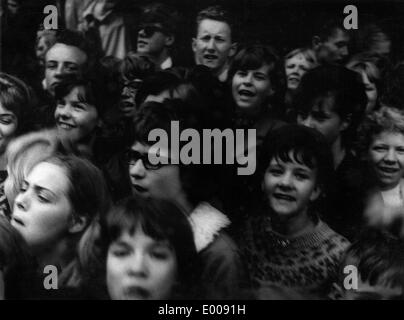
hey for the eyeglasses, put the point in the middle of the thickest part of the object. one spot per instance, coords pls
(133, 156)
(149, 31)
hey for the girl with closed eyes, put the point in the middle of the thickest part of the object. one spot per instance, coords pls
(143, 250)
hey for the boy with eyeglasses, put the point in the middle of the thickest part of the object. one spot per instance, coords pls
(156, 34)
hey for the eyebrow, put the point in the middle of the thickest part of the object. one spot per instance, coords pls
(39, 188)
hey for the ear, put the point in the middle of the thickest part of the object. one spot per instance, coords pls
(316, 42)
(169, 40)
(315, 194)
(78, 223)
(233, 49)
(194, 44)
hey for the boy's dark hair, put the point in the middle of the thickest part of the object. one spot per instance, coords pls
(163, 14)
(75, 39)
(328, 28)
(378, 256)
(253, 57)
(301, 144)
(343, 85)
(88, 42)
(156, 83)
(136, 66)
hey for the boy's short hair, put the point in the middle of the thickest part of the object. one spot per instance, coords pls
(163, 14)
(217, 13)
(308, 147)
(378, 256)
(136, 66)
(346, 88)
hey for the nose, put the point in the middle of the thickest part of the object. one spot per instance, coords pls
(247, 79)
(390, 156)
(137, 265)
(59, 70)
(307, 121)
(63, 112)
(344, 51)
(137, 171)
(211, 45)
(286, 180)
(22, 201)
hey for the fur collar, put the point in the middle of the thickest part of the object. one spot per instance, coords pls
(206, 222)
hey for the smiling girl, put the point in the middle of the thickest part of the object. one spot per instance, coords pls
(290, 252)
(15, 101)
(382, 145)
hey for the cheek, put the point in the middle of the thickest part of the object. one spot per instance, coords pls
(8, 130)
(165, 277)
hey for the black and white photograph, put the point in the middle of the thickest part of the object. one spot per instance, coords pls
(215, 152)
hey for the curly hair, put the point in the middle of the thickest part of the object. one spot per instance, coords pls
(386, 119)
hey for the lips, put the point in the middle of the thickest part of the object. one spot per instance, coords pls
(136, 292)
(141, 43)
(210, 57)
(388, 170)
(284, 197)
(65, 125)
(139, 188)
(246, 93)
(17, 221)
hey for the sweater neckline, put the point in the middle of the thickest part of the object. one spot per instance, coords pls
(320, 232)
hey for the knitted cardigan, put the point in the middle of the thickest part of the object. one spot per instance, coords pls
(305, 266)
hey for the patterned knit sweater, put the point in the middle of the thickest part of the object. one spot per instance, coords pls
(306, 265)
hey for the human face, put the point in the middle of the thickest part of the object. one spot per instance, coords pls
(61, 61)
(250, 88)
(155, 42)
(324, 119)
(295, 67)
(213, 45)
(44, 42)
(161, 183)
(289, 187)
(8, 127)
(379, 291)
(335, 48)
(140, 268)
(75, 118)
(42, 211)
(128, 96)
(386, 155)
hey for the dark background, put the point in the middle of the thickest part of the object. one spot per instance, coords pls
(281, 23)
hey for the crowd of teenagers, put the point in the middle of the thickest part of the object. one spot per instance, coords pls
(321, 217)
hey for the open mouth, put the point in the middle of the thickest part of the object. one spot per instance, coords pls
(136, 292)
(246, 93)
(210, 57)
(65, 125)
